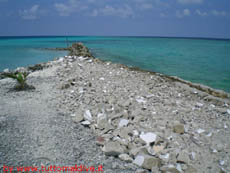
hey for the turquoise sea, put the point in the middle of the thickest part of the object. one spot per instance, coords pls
(205, 61)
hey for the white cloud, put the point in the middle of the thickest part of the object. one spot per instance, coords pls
(123, 12)
(31, 13)
(63, 9)
(200, 13)
(70, 7)
(219, 13)
(190, 1)
(185, 12)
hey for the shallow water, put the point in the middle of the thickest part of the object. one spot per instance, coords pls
(205, 61)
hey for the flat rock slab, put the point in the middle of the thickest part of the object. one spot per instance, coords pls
(113, 149)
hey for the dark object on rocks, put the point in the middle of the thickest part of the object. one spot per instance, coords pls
(65, 86)
(78, 49)
(36, 67)
(2, 76)
(21, 79)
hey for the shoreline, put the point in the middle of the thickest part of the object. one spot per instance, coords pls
(204, 88)
(142, 121)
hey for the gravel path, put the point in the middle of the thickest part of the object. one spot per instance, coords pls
(34, 133)
(120, 106)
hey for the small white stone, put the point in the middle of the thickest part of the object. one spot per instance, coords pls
(178, 167)
(123, 122)
(80, 65)
(73, 115)
(214, 151)
(221, 162)
(209, 134)
(170, 138)
(150, 96)
(80, 90)
(86, 123)
(199, 131)
(212, 105)
(228, 111)
(148, 137)
(193, 155)
(101, 78)
(87, 115)
(140, 100)
(139, 160)
(135, 133)
(174, 111)
(225, 126)
(199, 105)
(81, 58)
(165, 156)
(125, 157)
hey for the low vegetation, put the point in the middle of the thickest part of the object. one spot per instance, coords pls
(21, 78)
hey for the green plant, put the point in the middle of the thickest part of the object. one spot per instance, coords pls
(21, 78)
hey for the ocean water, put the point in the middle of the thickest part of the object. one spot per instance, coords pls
(205, 61)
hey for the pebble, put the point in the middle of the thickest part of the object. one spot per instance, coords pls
(228, 111)
(148, 137)
(179, 128)
(126, 158)
(199, 104)
(86, 123)
(88, 115)
(199, 131)
(113, 148)
(123, 123)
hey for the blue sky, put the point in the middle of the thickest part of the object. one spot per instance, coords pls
(184, 18)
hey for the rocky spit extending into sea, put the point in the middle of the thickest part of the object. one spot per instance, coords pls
(91, 112)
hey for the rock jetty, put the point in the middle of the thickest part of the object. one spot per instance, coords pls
(151, 122)
(156, 122)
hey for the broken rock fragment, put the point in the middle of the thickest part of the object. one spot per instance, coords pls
(123, 122)
(169, 168)
(87, 115)
(78, 118)
(126, 158)
(148, 137)
(113, 149)
(147, 162)
(86, 123)
(179, 128)
(183, 157)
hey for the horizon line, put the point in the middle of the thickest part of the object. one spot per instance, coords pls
(185, 37)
